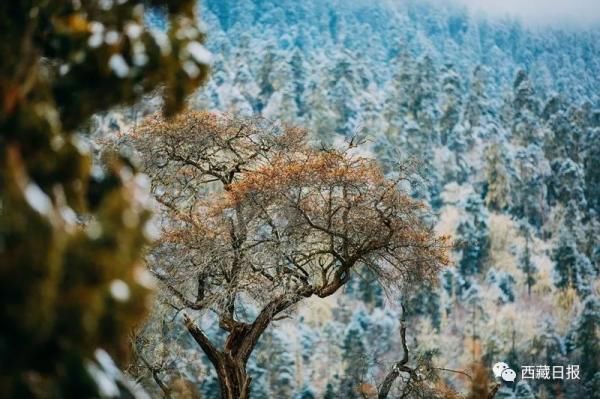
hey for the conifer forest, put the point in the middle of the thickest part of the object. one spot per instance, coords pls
(273, 199)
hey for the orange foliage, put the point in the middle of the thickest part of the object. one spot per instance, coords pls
(252, 205)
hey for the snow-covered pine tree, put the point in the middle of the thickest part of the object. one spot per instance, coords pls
(451, 107)
(526, 264)
(528, 186)
(572, 268)
(497, 196)
(526, 108)
(524, 391)
(586, 332)
(354, 354)
(474, 232)
(591, 165)
(282, 365)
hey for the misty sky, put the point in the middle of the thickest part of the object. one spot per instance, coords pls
(541, 11)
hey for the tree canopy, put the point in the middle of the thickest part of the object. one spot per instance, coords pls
(255, 218)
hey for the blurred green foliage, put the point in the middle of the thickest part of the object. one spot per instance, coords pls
(71, 275)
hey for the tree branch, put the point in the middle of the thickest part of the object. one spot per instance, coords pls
(211, 352)
(154, 371)
(178, 294)
(400, 366)
(265, 317)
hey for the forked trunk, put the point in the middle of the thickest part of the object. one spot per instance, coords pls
(230, 363)
(233, 378)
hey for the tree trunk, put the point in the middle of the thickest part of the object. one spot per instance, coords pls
(233, 379)
(231, 368)
(230, 363)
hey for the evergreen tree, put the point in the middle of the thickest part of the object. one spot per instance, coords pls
(591, 167)
(369, 290)
(451, 103)
(452, 284)
(354, 356)
(526, 109)
(308, 339)
(529, 185)
(524, 391)
(474, 233)
(579, 122)
(567, 183)
(282, 103)
(424, 102)
(472, 298)
(514, 355)
(299, 72)
(526, 264)
(330, 392)
(210, 387)
(426, 302)
(452, 130)
(586, 331)
(505, 282)
(322, 116)
(270, 58)
(497, 177)
(549, 346)
(592, 386)
(397, 106)
(591, 244)
(345, 99)
(372, 121)
(306, 393)
(558, 129)
(477, 105)
(572, 268)
(282, 366)
(565, 255)
(246, 85)
(260, 384)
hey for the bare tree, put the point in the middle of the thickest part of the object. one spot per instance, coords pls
(399, 366)
(254, 217)
(422, 380)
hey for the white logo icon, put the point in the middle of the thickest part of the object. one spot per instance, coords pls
(502, 370)
(509, 375)
(499, 368)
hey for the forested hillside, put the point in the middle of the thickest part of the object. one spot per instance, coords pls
(500, 123)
